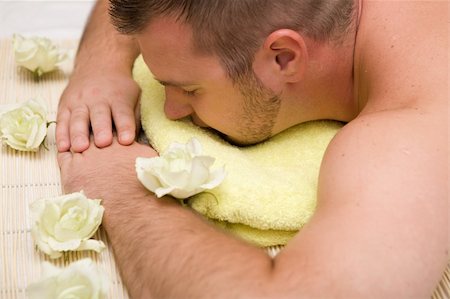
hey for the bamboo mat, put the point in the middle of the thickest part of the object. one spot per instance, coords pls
(25, 177)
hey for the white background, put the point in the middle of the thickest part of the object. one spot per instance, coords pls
(54, 19)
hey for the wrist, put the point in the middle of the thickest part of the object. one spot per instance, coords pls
(114, 57)
(135, 206)
(102, 65)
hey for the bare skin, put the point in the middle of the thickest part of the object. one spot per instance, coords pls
(381, 225)
(101, 90)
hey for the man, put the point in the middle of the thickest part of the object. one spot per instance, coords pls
(251, 69)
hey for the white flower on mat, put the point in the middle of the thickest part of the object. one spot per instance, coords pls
(66, 223)
(181, 171)
(24, 127)
(81, 279)
(36, 54)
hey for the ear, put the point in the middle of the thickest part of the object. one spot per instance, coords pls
(283, 57)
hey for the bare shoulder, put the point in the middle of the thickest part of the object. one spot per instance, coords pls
(381, 225)
(394, 162)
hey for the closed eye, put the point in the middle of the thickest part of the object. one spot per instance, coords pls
(190, 93)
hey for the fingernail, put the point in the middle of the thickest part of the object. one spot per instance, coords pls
(125, 136)
(62, 145)
(79, 140)
(102, 135)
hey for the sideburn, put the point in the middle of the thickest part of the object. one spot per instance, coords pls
(260, 109)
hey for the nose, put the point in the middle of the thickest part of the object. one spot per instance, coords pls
(175, 107)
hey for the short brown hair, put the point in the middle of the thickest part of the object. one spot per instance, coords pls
(235, 29)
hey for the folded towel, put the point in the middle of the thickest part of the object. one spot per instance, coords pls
(270, 189)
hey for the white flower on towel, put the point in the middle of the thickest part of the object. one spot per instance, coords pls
(81, 279)
(24, 127)
(66, 223)
(181, 171)
(36, 54)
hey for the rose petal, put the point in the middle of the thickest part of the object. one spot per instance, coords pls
(46, 288)
(68, 245)
(194, 147)
(25, 127)
(181, 171)
(52, 214)
(199, 172)
(66, 223)
(42, 244)
(36, 54)
(215, 179)
(91, 244)
(178, 180)
(81, 279)
(147, 178)
(160, 192)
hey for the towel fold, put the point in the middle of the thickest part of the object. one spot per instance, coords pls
(270, 189)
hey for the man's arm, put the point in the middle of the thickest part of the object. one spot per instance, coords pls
(380, 229)
(100, 86)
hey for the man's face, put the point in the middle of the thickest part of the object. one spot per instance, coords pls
(197, 86)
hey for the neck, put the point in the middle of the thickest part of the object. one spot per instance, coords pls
(327, 90)
(360, 90)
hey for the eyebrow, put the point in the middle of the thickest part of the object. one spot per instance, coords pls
(175, 83)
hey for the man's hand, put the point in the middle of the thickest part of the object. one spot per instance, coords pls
(107, 173)
(94, 99)
(101, 89)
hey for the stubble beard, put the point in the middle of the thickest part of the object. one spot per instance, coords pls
(259, 111)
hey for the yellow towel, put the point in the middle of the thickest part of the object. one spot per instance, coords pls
(269, 192)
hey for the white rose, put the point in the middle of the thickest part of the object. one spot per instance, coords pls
(66, 223)
(181, 171)
(25, 126)
(81, 280)
(36, 54)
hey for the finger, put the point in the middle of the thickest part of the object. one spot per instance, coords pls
(137, 115)
(62, 130)
(101, 124)
(79, 129)
(124, 121)
(64, 159)
(92, 146)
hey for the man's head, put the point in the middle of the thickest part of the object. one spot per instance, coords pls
(235, 29)
(232, 32)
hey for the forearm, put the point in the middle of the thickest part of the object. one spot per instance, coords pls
(167, 251)
(101, 45)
